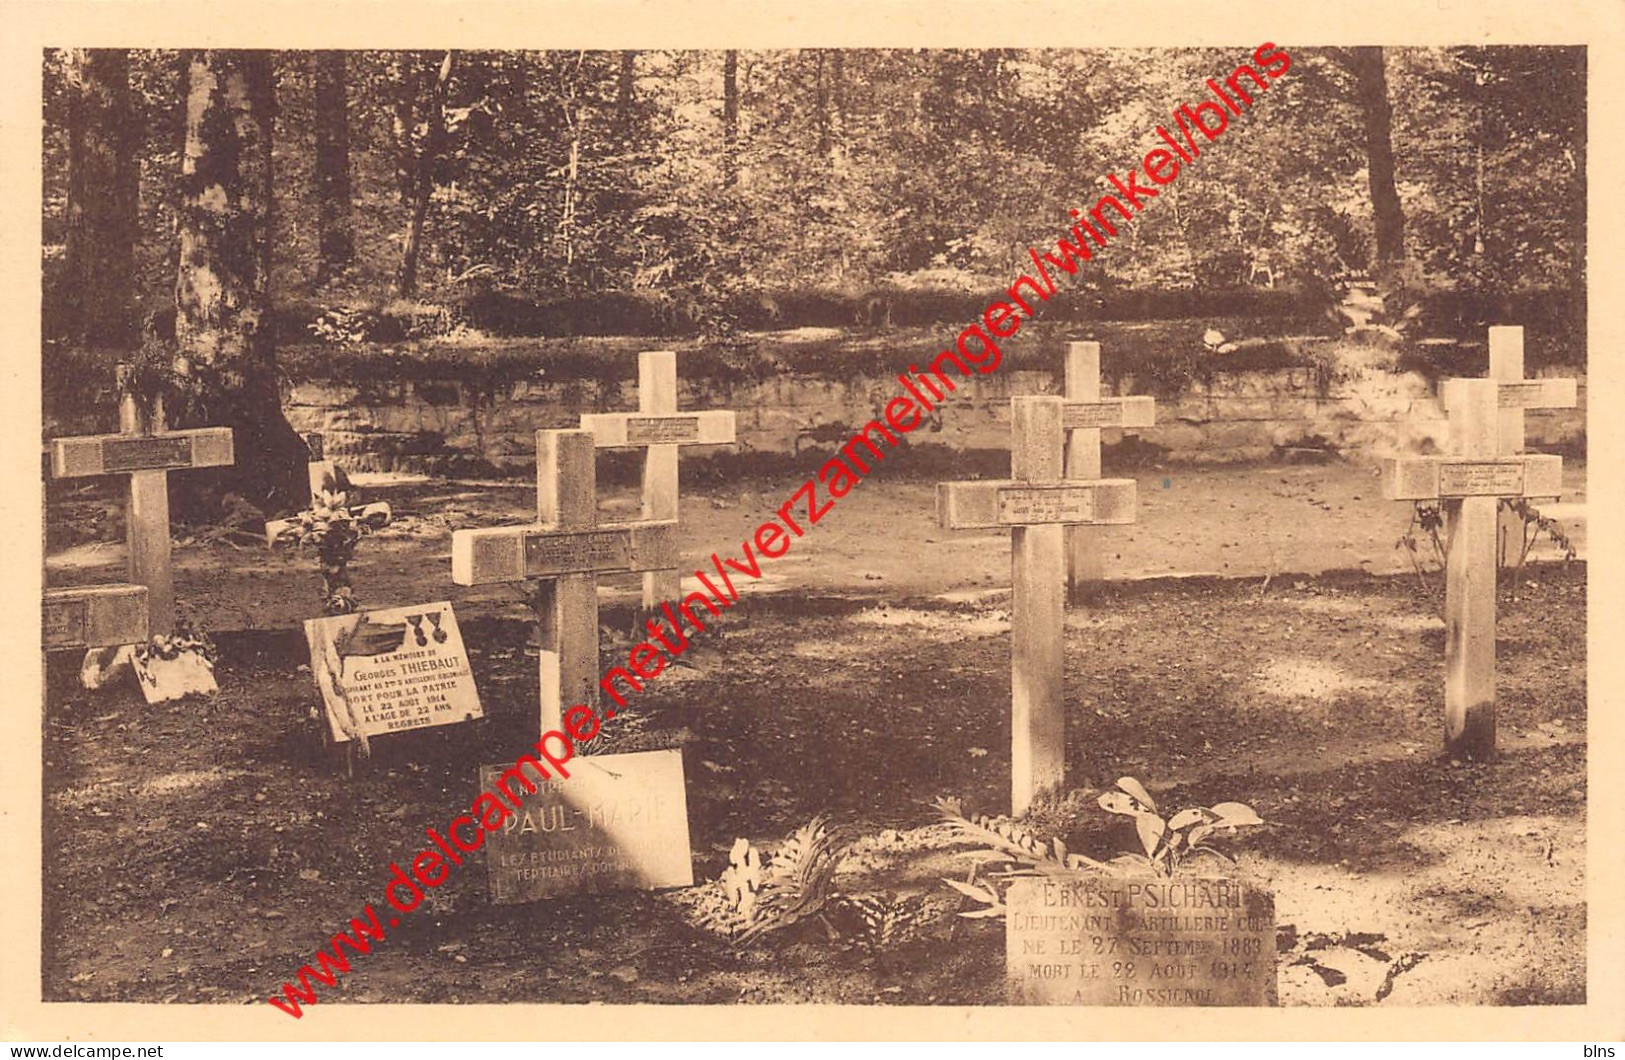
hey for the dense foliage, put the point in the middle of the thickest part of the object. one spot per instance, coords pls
(704, 190)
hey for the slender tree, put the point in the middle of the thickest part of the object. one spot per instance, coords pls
(336, 238)
(1371, 85)
(101, 206)
(227, 355)
(425, 139)
(730, 118)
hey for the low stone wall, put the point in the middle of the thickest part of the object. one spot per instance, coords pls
(443, 427)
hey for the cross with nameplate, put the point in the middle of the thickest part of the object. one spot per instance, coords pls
(659, 429)
(567, 550)
(1512, 397)
(1469, 485)
(1083, 416)
(146, 452)
(1036, 503)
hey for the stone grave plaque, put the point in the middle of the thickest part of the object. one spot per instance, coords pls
(402, 668)
(661, 430)
(1481, 478)
(1020, 506)
(1139, 941)
(561, 552)
(617, 822)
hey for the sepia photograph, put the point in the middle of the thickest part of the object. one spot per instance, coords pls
(1069, 527)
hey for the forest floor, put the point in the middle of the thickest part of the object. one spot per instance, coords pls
(1261, 640)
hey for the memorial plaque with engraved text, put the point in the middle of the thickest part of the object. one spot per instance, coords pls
(658, 430)
(1481, 479)
(1019, 506)
(617, 822)
(415, 673)
(1151, 941)
(65, 622)
(1084, 415)
(146, 454)
(568, 553)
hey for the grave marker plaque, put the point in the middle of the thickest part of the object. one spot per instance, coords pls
(618, 822)
(416, 678)
(1147, 941)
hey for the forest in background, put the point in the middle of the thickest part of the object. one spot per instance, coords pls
(375, 197)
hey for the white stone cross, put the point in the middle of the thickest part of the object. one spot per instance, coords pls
(659, 429)
(1085, 413)
(567, 550)
(1036, 503)
(1469, 485)
(1513, 396)
(147, 453)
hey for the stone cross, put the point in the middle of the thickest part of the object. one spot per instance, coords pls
(1514, 395)
(1469, 484)
(1084, 415)
(659, 429)
(147, 453)
(567, 550)
(1037, 503)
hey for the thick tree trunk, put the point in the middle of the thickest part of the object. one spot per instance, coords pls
(426, 150)
(227, 356)
(1372, 85)
(730, 118)
(100, 277)
(336, 240)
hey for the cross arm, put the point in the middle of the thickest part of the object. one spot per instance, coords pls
(978, 505)
(613, 429)
(1448, 477)
(1138, 411)
(94, 616)
(105, 454)
(513, 553)
(1518, 394)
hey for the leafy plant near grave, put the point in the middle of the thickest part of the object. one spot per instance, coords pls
(333, 529)
(1168, 843)
(1428, 518)
(172, 646)
(759, 894)
(1533, 525)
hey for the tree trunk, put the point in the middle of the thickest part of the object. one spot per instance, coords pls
(100, 277)
(426, 146)
(626, 88)
(227, 353)
(730, 118)
(1372, 85)
(336, 240)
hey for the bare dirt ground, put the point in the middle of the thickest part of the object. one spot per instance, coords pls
(199, 852)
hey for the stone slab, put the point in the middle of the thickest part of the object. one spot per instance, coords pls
(1139, 941)
(416, 676)
(617, 822)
